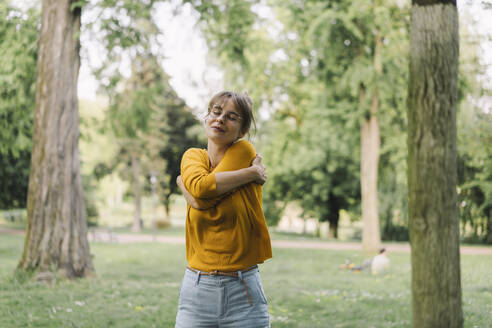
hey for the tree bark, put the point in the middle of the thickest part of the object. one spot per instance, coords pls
(137, 219)
(370, 145)
(432, 170)
(56, 236)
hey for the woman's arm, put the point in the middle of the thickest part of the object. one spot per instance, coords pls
(189, 198)
(227, 181)
(239, 167)
(199, 203)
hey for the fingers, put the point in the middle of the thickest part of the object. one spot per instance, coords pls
(261, 169)
(257, 159)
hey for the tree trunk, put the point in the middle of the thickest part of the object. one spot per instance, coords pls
(370, 144)
(56, 236)
(167, 207)
(137, 219)
(488, 228)
(333, 216)
(333, 229)
(432, 170)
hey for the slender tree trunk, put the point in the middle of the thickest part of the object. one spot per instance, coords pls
(153, 181)
(333, 216)
(167, 207)
(370, 145)
(432, 170)
(56, 236)
(488, 228)
(333, 229)
(137, 219)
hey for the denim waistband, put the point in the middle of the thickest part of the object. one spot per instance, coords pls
(218, 278)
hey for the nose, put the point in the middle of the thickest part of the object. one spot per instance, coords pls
(221, 117)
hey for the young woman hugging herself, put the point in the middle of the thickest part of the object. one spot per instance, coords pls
(226, 232)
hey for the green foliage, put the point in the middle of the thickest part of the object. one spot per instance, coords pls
(128, 31)
(181, 131)
(77, 4)
(314, 151)
(239, 42)
(149, 121)
(147, 118)
(227, 25)
(309, 76)
(474, 141)
(18, 56)
(313, 164)
(92, 211)
(475, 174)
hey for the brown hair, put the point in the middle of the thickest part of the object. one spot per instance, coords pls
(242, 102)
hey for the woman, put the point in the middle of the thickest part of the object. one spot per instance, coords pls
(226, 233)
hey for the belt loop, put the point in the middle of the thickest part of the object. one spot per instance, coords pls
(198, 278)
(240, 275)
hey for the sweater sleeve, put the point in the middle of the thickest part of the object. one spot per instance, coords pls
(194, 169)
(194, 173)
(238, 156)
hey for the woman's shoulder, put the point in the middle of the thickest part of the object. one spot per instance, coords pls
(195, 153)
(239, 155)
(243, 146)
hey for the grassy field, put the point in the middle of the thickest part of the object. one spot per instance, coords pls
(137, 285)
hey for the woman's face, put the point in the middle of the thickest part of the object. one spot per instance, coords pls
(223, 123)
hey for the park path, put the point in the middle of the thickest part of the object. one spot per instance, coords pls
(125, 238)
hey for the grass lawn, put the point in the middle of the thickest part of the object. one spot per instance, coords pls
(137, 285)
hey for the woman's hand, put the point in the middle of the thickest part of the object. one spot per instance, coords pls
(260, 170)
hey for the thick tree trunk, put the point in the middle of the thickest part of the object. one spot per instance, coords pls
(432, 171)
(370, 145)
(56, 236)
(137, 219)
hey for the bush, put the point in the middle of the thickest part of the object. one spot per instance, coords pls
(163, 224)
(395, 233)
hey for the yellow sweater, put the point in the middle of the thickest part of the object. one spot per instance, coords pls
(233, 234)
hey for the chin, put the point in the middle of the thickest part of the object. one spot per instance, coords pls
(220, 140)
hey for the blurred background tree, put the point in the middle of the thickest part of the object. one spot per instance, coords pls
(151, 125)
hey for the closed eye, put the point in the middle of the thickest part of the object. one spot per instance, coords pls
(232, 117)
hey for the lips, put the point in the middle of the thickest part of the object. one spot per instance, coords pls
(216, 128)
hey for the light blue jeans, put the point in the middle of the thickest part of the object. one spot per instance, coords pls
(222, 302)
